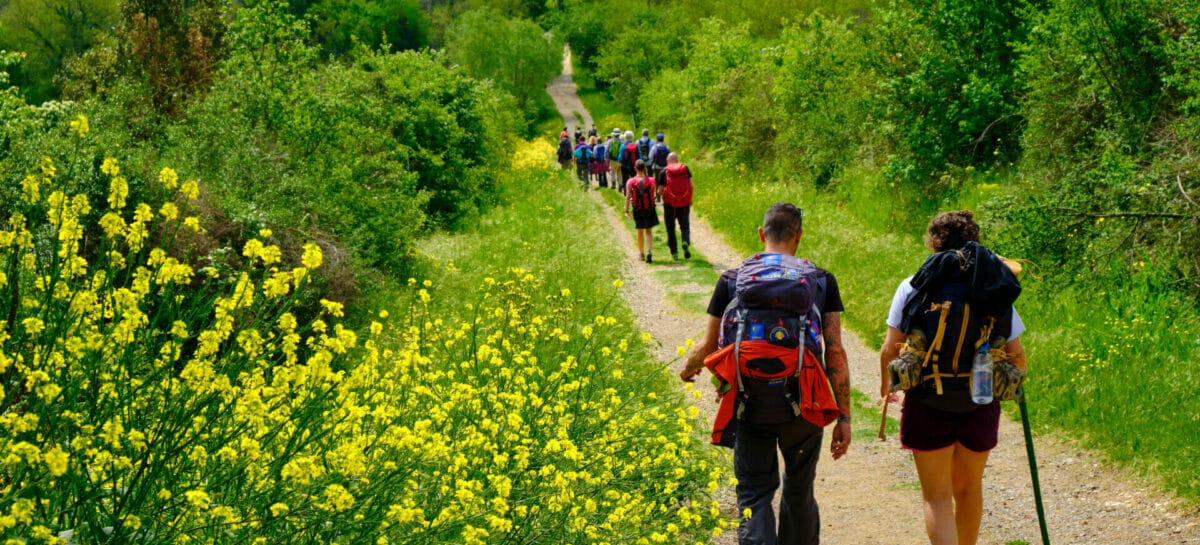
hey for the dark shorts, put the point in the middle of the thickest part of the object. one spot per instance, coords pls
(924, 428)
(645, 219)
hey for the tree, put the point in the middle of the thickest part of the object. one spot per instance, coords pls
(50, 32)
(174, 45)
(517, 55)
(398, 24)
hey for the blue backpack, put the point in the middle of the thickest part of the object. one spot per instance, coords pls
(582, 154)
(601, 152)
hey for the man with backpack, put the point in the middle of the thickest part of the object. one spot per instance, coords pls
(677, 203)
(767, 321)
(639, 195)
(564, 150)
(613, 144)
(628, 157)
(643, 146)
(583, 161)
(658, 158)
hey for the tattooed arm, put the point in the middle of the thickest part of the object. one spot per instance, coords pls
(838, 369)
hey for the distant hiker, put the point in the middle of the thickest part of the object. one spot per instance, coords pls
(970, 291)
(592, 131)
(599, 167)
(643, 147)
(677, 203)
(781, 317)
(639, 195)
(578, 134)
(658, 158)
(564, 151)
(614, 166)
(628, 158)
(583, 159)
(564, 134)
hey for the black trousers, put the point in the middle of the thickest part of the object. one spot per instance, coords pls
(756, 466)
(681, 214)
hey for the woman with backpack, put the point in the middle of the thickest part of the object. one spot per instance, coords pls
(956, 311)
(599, 167)
(639, 195)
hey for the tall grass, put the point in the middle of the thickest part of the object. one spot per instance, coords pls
(1112, 364)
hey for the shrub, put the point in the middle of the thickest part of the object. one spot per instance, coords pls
(146, 400)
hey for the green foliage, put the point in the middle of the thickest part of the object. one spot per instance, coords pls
(651, 42)
(51, 32)
(949, 91)
(823, 96)
(398, 24)
(1110, 154)
(517, 55)
(372, 151)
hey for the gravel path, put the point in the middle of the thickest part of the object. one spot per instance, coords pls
(872, 496)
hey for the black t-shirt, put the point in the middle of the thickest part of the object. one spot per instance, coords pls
(723, 294)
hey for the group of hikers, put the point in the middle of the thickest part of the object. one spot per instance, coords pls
(773, 344)
(650, 173)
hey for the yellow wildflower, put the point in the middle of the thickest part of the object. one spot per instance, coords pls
(168, 178)
(312, 256)
(80, 126)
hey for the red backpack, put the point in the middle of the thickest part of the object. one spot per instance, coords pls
(643, 193)
(631, 155)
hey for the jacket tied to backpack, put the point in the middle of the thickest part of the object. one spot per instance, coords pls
(768, 369)
(959, 298)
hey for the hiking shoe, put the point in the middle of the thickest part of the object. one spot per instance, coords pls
(687, 254)
(642, 258)
(649, 258)
(674, 256)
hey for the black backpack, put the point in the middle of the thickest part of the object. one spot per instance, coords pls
(963, 300)
(564, 149)
(644, 148)
(658, 156)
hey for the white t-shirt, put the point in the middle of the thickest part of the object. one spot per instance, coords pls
(905, 290)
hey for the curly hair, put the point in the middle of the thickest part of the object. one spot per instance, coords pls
(951, 231)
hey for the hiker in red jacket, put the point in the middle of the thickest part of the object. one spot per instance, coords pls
(677, 204)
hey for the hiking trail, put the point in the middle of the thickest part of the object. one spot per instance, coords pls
(872, 495)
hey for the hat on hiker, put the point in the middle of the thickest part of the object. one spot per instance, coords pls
(660, 137)
(617, 132)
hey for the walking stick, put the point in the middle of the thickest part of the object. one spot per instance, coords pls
(1037, 488)
(883, 420)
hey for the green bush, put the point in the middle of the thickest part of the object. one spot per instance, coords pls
(372, 151)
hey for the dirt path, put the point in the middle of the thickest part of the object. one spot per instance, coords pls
(872, 496)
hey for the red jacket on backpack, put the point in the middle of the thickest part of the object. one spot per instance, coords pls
(678, 189)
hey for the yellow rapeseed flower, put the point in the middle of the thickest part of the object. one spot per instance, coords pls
(168, 178)
(312, 257)
(110, 167)
(190, 189)
(80, 126)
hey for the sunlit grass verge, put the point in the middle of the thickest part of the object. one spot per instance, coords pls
(603, 391)
(147, 401)
(1111, 363)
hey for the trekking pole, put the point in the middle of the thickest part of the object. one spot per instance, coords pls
(1037, 488)
(883, 419)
